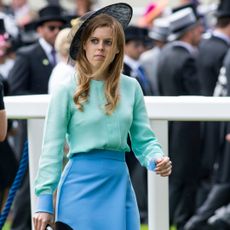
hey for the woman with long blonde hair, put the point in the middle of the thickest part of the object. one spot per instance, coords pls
(96, 110)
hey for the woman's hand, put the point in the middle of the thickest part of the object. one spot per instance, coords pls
(41, 220)
(163, 166)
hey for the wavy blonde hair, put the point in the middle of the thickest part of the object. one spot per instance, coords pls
(113, 64)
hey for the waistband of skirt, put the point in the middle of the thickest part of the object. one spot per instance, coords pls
(100, 154)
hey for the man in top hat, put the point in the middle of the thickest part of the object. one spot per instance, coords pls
(30, 75)
(149, 59)
(34, 63)
(135, 40)
(177, 75)
(213, 49)
(213, 56)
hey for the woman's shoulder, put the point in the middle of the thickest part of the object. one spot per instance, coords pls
(68, 85)
(70, 81)
(128, 81)
(130, 86)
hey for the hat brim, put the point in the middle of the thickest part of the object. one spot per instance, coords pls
(121, 11)
(222, 14)
(175, 36)
(158, 36)
(47, 19)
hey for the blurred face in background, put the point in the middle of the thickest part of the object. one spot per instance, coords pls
(134, 49)
(49, 30)
(196, 34)
(4, 46)
(16, 4)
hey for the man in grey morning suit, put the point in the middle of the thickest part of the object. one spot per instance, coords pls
(177, 75)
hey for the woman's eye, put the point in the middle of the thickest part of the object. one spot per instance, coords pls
(108, 42)
(94, 41)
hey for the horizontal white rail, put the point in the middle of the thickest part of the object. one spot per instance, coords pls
(160, 110)
(195, 108)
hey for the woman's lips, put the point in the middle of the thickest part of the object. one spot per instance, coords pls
(99, 56)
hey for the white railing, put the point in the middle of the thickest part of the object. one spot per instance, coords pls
(160, 111)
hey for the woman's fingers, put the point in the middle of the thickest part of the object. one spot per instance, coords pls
(41, 220)
(164, 166)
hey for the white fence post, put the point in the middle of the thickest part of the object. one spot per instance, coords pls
(158, 208)
(35, 133)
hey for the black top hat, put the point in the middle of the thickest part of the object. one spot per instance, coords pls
(180, 22)
(223, 9)
(50, 13)
(2, 26)
(135, 33)
(120, 11)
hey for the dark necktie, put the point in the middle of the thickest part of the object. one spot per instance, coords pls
(53, 54)
(145, 83)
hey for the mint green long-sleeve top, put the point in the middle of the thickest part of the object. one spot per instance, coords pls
(93, 128)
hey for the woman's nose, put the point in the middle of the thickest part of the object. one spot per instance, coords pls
(100, 46)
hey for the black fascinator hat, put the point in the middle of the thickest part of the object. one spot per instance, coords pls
(121, 11)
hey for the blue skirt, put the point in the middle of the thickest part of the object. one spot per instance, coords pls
(95, 193)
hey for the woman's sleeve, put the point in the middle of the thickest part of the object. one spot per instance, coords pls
(51, 160)
(144, 143)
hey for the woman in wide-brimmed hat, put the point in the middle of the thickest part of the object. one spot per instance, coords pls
(96, 109)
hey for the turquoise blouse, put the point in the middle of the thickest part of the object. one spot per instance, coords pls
(92, 129)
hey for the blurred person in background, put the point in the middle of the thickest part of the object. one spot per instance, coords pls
(135, 38)
(4, 8)
(83, 6)
(214, 211)
(62, 71)
(149, 59)
(8, 161)
(22, 12)
(30, 75)
(152, 11)
(178, 75)
(212, 51)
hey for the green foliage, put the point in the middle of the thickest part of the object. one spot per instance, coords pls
(144, 227)
(6, 226)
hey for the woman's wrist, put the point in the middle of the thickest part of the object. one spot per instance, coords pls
(45, 203)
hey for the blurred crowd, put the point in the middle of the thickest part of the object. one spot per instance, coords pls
(176, 51)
